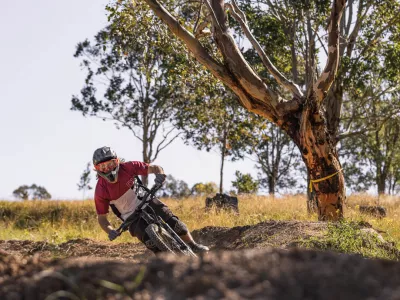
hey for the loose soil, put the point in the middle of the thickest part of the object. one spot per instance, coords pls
(251, 268)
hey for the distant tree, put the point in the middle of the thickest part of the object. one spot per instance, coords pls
(34, 192)
(175, 188)
(245, 184)
(137, 93)
(22, 192)
(372, 157)
(204, 189)
(394, 177)
(84, 182)
(277, 157)
(213, 121)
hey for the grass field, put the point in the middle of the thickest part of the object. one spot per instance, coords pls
(59, 221)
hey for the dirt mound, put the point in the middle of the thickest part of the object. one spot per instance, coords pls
(76, 248)
(87, 269)
(251, 274)
(281, 234)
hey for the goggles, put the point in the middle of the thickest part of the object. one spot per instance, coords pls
(107, 166)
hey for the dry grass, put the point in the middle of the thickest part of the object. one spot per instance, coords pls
(59, 221)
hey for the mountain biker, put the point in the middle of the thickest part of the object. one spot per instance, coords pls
(115, 189)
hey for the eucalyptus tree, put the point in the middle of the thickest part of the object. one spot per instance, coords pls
(301, 115)
(35, 192)
(84, 181)
(382, 153)
(307, 106)
(127, 81)
(277, 158)
(377, 150)
(394, 176)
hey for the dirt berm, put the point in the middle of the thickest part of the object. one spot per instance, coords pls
(88, 269)
(248, 274)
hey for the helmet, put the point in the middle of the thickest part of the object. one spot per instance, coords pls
(106, 163)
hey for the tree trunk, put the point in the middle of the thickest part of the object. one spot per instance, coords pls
(146, 159)
(271, 184)
(381, 182)
(312, 204)
(321, 158)
(329, 193)
(221, 172)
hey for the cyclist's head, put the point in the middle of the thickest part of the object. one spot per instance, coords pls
(106, 163)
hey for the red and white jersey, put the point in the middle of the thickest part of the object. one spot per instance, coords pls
(120, 193)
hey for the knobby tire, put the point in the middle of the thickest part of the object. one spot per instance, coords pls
(164, 241)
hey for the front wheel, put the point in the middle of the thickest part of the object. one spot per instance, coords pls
(164, 241)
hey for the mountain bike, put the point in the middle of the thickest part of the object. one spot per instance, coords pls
(159, 232)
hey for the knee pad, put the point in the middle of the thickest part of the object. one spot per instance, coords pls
(178, 226)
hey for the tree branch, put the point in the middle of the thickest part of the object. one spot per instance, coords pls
(325, 80)
(191, 42)
(160, 146)
(279, 77)
(353, 35)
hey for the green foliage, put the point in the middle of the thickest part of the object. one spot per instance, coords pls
(245, 184)
(373, 157)
(134, 66)
(22, 192)
(350, 237)
(34, 192)
(204, 189)
(277, 157)
(211, 118)
(175, 188)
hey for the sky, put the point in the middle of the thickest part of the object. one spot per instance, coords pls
(42, 140)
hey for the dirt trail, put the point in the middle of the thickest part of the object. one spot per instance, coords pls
(248, 274)
(86, 269)
(77, 248)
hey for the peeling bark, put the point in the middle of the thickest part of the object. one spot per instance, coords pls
(319, 154)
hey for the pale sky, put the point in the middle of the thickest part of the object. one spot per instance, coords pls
(42, 141)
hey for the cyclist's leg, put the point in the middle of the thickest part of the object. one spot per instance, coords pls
(168, 216)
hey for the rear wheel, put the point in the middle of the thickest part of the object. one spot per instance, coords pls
(164, 241)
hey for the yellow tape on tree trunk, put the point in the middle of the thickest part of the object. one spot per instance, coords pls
(322, 179)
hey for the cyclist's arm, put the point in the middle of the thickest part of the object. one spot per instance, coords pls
(154, 169)
(104, 223)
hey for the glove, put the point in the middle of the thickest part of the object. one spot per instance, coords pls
(112, 235)
(160, 179)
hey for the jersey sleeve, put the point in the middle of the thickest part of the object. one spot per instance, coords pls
(138, 168)
(100, 200)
